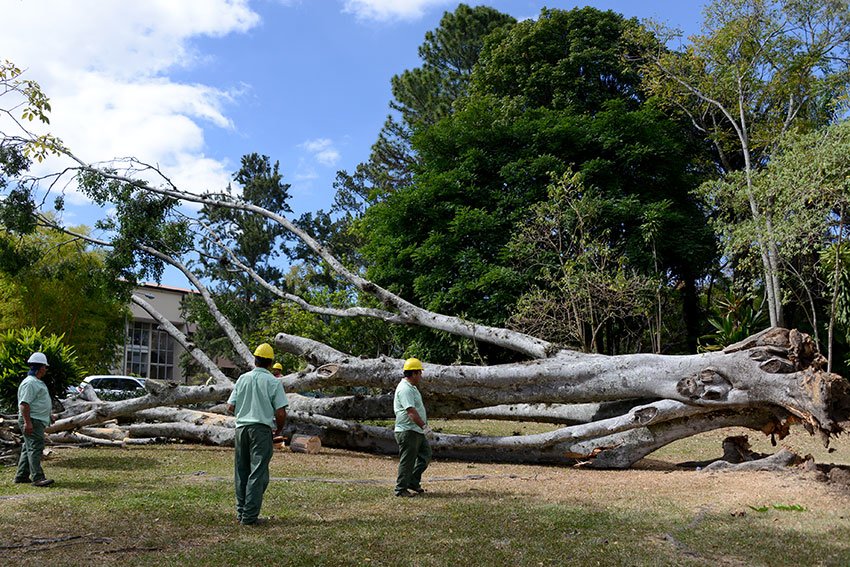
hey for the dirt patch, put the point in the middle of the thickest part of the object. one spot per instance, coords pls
(652, 483)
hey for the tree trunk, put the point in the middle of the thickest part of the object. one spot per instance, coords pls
(773, 368)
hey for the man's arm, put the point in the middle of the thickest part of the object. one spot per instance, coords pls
(280, 419)
(25, 413)
(231, 408)
(417, 419)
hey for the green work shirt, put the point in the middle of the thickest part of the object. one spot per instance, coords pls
(256, 396)
(407, 396)
(33, 392)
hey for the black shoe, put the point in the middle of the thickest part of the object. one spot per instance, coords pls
(418, 490)
(22, 481)
(257, 522)
(43, 482)
(406, 494)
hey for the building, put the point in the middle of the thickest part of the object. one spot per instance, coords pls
(150, 352)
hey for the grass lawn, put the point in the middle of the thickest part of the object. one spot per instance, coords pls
(174, 505)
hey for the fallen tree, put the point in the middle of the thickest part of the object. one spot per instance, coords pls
(767, 383)
(614, 409)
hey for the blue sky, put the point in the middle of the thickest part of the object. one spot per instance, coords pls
(192, 85)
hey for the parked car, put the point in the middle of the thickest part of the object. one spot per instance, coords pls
(115, 386)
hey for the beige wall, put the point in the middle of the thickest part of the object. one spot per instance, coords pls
(166, 300)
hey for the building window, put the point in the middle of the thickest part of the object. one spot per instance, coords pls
(162, 355)
(150, 352)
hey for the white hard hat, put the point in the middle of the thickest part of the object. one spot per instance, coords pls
(38, 358)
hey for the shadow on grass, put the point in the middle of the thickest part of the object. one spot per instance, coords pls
(758, 541)
(471, 494)
(108, 462)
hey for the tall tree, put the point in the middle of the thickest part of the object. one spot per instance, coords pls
(424, 95)
(442, 240)
(759, 69)
(421, 97)
(40, 271)
(805, 189)
(254, 241)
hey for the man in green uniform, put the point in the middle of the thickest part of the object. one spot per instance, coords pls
(259, 403)
(411, 431)
(34, 414)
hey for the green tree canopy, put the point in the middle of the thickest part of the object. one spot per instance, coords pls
(759, 69)
(50, 281)
(422, 96)
(441, 241)
(562, 60)
(17, 345)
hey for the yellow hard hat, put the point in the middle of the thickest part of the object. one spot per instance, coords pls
(278, 365)
(264, 351)
(412, 364)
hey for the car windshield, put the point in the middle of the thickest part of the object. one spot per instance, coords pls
(115, 383)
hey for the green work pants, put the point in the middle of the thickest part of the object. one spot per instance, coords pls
(414, 455)
(29, 465)
(254, 448)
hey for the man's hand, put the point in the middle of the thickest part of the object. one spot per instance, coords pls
(279, 419)
(25, 414)
(429, 433)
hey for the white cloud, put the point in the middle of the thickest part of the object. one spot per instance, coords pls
(105, 67)
(385, 10)
(305, 175)
(323, 151)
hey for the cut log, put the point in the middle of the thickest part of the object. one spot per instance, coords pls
(567, 414)
(779, 462)
(112, 433)
(73, 437)
(159, 395)
(195, 417)
(208, 434)
(305, 444)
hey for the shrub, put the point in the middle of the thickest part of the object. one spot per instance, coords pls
(16, 346)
